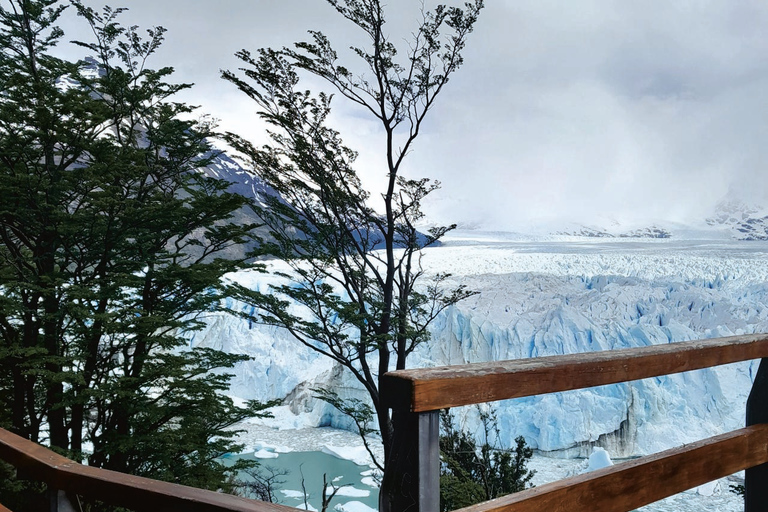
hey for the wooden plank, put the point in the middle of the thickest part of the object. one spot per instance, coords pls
(636, 483)
(30, 458)
(115, 488)
(412, 477)
(3, 509)
(756, 478)
(429, 389)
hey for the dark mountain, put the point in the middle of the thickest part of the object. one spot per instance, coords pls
(248, 184)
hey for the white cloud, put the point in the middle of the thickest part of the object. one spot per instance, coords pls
(563, 110)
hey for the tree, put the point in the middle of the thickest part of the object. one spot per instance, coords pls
(354, 264)
(471, 474)
(110, 256)
(262, 484)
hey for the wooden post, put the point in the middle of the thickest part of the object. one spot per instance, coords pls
(411, 481)
(756, 481)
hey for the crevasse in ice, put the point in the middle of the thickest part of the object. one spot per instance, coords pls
(548, 298)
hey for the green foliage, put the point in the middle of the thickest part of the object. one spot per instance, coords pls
(111, 253)
(356, 284)
(18, 494)
(358, 411)
(471, 473)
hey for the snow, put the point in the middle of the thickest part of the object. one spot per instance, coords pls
(547, 470)
(544, 297)
(322, 439)
(710, 489)
(695, 500)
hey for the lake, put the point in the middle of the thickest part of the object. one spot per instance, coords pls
(354, 479)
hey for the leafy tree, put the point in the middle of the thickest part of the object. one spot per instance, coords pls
(471, 473)
(354, 262)
(111, 253)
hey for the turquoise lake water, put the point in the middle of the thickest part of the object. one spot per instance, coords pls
(312, 465)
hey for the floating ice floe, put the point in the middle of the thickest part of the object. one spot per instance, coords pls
(350, 492)
(357, 454)
(371, 478)
(265, 454)
(353, 506)
(370, 481)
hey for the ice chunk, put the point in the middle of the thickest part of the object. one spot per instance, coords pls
(709, 489)
(354, 506)
(350, 492)
(265, 454)
(357, 454)
(599, 459)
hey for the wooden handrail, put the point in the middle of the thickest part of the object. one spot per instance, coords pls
(411, 478)
(633, 484)
(3, 509)
(119, 489)
(430, 389)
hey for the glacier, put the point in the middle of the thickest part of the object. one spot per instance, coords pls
(538, 297)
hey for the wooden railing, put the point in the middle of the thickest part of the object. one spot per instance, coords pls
(64, 477)
(411, 482)
(416, 396)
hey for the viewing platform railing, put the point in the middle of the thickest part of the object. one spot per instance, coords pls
(416, 397)
(411, 483)
(67, 479)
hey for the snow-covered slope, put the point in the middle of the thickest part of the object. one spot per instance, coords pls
(616, 231)
(553, 297)
(734, 217)
(745, 221)
(242, 182)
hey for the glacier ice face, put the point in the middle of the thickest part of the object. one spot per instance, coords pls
(548, 298)
(547, 315)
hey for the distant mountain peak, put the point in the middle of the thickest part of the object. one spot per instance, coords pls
(746, 221)
(617, 231)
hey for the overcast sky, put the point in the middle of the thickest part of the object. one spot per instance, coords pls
(564, 110)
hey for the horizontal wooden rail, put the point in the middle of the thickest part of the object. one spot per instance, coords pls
(635, 483)
(3, 509)
(119, 489)
(430, 389)
(417, 395)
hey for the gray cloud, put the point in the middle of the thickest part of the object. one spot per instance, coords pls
(563, 111)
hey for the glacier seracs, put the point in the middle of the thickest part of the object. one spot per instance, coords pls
(547, 298)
